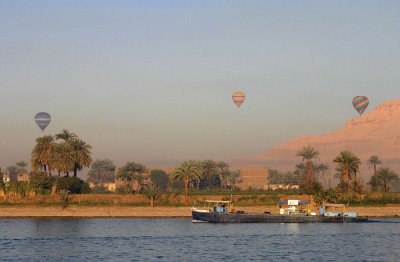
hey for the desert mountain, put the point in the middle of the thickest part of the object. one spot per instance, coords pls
(373, 133)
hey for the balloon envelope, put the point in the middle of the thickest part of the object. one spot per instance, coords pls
(42, 119)
(360, 103)
(238, 98)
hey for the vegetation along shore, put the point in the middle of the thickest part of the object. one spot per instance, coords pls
(53, 186)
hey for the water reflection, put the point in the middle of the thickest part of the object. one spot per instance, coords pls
(293, 228)
(53, 227)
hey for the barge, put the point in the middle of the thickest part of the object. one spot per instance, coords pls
(223, 212)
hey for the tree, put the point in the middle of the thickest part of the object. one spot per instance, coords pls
(152, 192)
(322, 168)
(308, 153)
(300, 171)
(395, 185)
(274, 176)
(66, 135)
(326, 196)
(374, 183)
(72, 185)
(234, 178)
(21, 167)
(159, 178)
(82, 156)
(209, 168)
(82, 152)
(223, 173)
(12, 171)
(374, 161)
(63, 158)
(42, 154)
(101, 171)
(291, 178)
(132, 172)
(188, 171)
(383, 177)
(47, 153)
(348, 164)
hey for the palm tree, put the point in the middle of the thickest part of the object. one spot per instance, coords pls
(348, 164)
(188, 171)
(81, 154)
(275, 176)
(126, 175)
(300, 170)
(63, 158)
(308, 153)
(374, 183)
(48, 153)
(291, 178)
(42, 153)
(66, 135)
(223, 170)
(132, 172)
(234, 178)
(323, 168)
(81, 149)
(210, 168)
(12, 170)
(385, 175)
(21, 166)
(373, 161)
(101, 171)
(152, 192)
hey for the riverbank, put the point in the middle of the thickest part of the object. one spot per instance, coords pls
(126, 211)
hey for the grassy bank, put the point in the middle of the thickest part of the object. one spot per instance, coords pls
(178, 200)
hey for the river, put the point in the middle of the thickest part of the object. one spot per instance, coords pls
(174, 239)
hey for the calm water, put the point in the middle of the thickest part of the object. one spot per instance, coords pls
(181, 240)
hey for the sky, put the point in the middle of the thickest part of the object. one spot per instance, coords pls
(151, 81)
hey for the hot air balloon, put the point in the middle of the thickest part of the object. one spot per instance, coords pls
(238, 98)
(360, 103)
(42, 119)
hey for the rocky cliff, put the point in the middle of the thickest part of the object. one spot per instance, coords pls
(374, 133)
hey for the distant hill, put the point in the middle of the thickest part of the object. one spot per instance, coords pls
(374, 133)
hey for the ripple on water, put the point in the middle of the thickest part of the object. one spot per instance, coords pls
(180, 240)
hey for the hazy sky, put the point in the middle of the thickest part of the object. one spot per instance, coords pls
(151, 81)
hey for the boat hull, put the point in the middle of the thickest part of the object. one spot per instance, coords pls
(215, 217)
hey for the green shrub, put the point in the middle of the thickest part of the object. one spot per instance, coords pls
(41, 182)
(18, 188)
(123, 190)
(74, 185)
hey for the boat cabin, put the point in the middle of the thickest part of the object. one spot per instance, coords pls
(335, 210)
(219, 206)
(294, 207)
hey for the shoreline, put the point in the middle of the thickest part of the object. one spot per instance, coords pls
(389, 211)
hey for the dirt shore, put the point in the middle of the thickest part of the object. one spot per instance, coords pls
(123, 211)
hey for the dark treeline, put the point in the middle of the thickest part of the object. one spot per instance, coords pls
(311, 175)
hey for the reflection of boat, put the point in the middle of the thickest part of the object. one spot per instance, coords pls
(295, 212)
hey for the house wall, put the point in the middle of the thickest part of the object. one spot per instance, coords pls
(253, 177)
